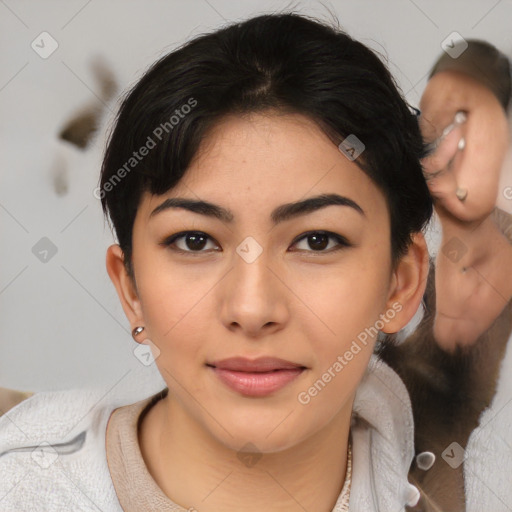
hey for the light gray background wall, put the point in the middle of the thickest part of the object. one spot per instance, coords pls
(61, 324)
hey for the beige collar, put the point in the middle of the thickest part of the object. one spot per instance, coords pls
(135, 487)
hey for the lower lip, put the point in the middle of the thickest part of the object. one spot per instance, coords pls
(257, 384)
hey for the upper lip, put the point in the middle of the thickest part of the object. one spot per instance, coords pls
(261, 364)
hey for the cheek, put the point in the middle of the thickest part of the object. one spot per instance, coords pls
(173, 303)
(346, 299)
(349, 303)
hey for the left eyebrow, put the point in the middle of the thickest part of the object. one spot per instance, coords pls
(281, 213)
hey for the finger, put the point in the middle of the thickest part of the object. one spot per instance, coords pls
(443, 150)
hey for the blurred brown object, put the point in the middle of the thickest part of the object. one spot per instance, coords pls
(10, 397)
(80, 129)
(449, 392)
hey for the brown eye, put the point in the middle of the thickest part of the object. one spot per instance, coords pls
(318, 241)
(189, 241)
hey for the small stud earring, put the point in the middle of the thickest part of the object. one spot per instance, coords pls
(137, 331)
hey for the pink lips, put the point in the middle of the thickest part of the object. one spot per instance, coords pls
(257, 377)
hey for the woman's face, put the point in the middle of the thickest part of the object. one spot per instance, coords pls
(253, 285)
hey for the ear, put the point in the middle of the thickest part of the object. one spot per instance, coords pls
(124, 285)
(408, 284)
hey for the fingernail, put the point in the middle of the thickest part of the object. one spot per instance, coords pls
(461, 193)
(460, 117)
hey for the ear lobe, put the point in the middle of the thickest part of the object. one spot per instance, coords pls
(409, 282)
(124, 285)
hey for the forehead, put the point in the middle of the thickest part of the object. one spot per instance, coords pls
(267, 159)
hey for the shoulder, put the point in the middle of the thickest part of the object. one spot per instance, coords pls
(52, 448)
(487, 461)
(382, 400)
(51, 452)
(383, 442)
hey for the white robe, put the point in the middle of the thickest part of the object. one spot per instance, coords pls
(488, 455)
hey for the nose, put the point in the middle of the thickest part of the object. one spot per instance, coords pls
(253, 297)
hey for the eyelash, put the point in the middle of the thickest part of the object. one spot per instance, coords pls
(341, 240)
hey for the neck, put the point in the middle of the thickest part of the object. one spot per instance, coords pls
(195, 470)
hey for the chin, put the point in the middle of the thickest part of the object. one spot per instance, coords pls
(261, 437)
(262, 444)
